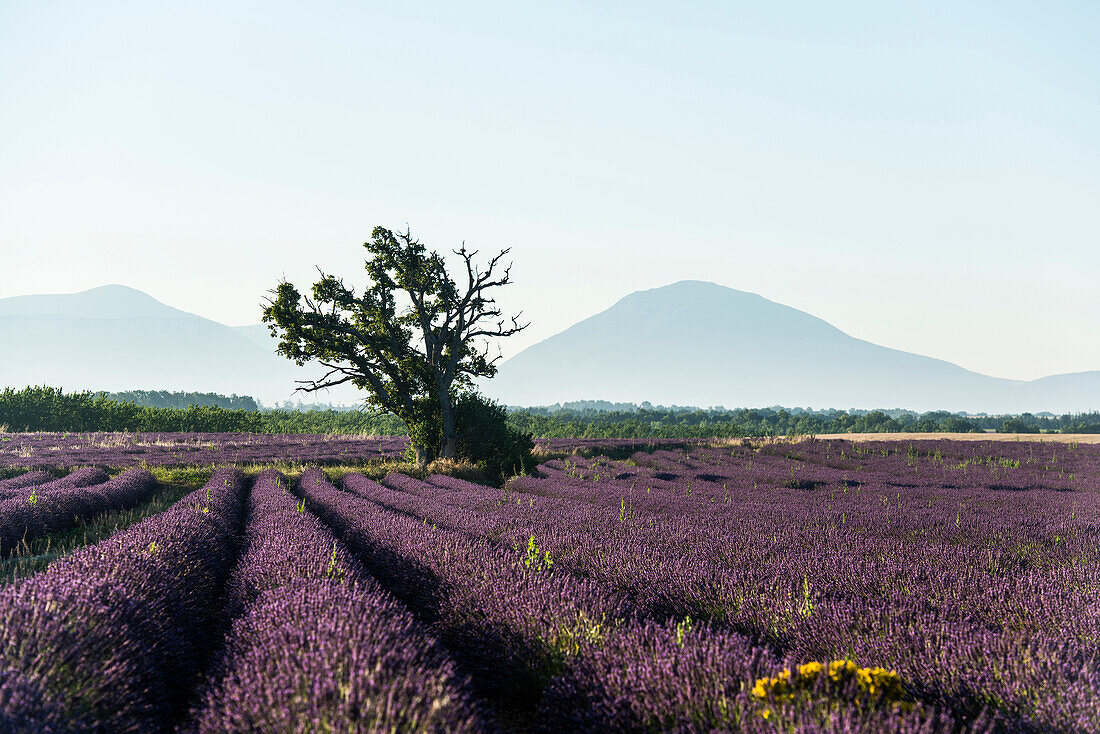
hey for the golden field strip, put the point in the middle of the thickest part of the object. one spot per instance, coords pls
(1056, 437)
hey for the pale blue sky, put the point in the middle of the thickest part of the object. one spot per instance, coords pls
(923, 175)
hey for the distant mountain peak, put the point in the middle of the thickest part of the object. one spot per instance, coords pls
(112, 301)
(114, 288)
(695, 342)
(691, 306)
(117, 338)
(692, 342)
(687, 287)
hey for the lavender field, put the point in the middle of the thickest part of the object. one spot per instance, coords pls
(924, 586)
(34, 450)
(118, 450)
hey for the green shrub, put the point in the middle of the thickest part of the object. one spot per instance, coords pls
(486, 438)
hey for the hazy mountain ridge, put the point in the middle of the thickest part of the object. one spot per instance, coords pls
(689, 343)
(105, 302)
(698, 343)
(117, 338)
(258, 334)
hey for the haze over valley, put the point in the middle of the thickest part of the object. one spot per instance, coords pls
(689, 343)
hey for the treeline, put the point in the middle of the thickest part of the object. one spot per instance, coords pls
(48, 409)
(332, 421)
(643, 422)
(181, 400)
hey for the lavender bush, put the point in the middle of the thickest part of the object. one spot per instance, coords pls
(59, 504)
(316, 645)
(42, 482)
(25, 479)
(959, 567)
(933, 586)
(509, 618)
(111, 638)
(119, 450)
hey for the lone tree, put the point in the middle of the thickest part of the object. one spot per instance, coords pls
(411, 340)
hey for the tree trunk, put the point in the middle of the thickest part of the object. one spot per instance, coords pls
(422, 456)
(447, 423)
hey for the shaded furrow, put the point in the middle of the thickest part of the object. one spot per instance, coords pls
(113, 637)
(316, 644)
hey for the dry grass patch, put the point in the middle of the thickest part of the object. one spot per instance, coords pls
(1044, 437)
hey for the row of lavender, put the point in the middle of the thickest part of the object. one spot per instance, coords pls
(315, 644)
(716, 589)
(232, 611)
(112, 637)
(115, 637)
(122, 450)
(549, 643)
(972, 569)
(34, 504)
(976, 575)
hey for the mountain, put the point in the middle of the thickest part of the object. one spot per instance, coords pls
(689, 343)
(105, 302)
(1079, 390)
(698, 343)
(259, 335)
(117, 338)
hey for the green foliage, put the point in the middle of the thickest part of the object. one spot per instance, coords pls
(181, 400)
(358, 422)
(642, 422)
(334, 572)
(536, 560)
(425, 434)
(959, 425)
(409, 359)
(484, 437)
(1019, 425)
(48, 409)
(683, 628)
(182, 476)
(487, 439)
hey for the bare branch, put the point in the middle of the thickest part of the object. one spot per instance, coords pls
(373, 340)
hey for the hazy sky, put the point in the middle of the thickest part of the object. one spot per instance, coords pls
(922, 175)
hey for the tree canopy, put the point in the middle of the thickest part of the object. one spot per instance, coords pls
(411, 340)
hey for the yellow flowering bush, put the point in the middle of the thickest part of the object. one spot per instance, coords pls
(874, 686)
